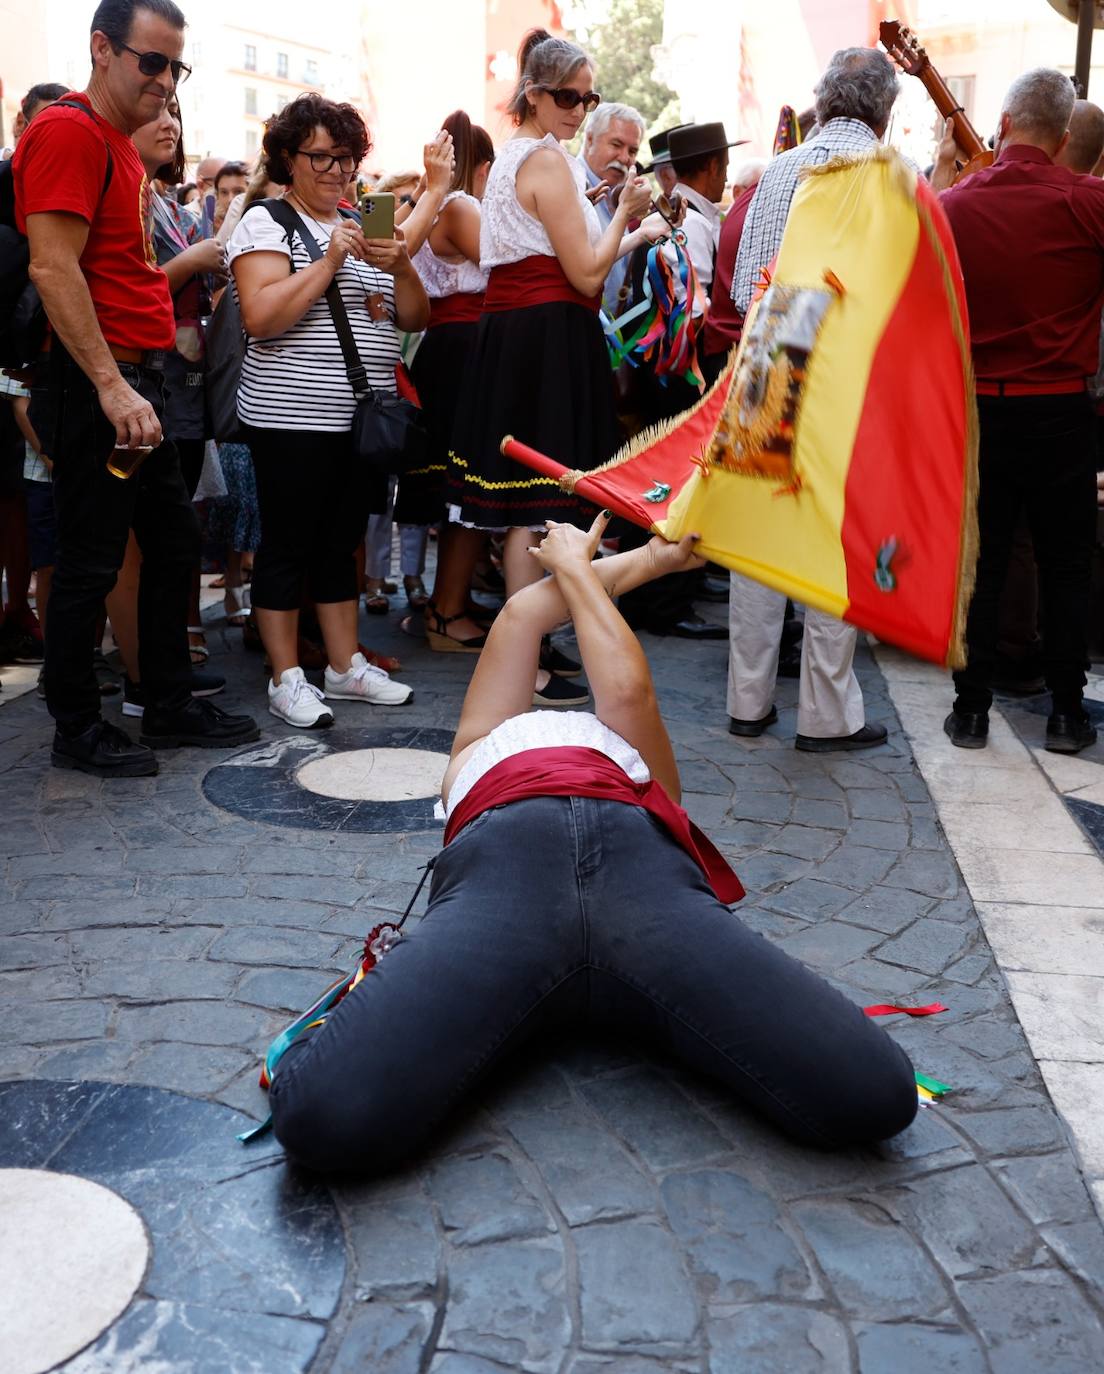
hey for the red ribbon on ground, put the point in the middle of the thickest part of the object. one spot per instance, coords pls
(887, 1010)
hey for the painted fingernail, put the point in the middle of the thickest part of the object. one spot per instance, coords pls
(608, 514)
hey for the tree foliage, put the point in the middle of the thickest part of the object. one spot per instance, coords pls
(621, 44)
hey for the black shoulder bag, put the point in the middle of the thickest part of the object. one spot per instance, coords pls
(388, 433)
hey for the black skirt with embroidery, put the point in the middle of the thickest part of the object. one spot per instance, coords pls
(542, 374)
(440, 373)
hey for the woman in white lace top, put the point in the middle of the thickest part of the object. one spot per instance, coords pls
(448, 264)
(540, 369)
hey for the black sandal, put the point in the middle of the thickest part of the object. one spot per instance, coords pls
(441, 641)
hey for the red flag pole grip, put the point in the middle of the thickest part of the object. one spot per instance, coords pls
(583, 484)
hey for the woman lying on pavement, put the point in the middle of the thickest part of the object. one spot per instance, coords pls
(574, 892)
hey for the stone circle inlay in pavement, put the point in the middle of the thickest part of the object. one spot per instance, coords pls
(596, 1208)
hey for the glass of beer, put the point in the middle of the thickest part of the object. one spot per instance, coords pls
(125, 462)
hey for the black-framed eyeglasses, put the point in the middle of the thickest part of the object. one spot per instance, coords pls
(326, 162)
(567, 98)
(154, 63)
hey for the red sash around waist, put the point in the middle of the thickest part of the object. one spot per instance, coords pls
(463, 307)
(578, 772)
(533, 281)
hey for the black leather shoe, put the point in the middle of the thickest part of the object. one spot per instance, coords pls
(554, 661)
(105, 751)
(200, 723)
(713, 589)
(751, 729)
(693, 627)
(868, 737)
(967, 730)
(1069, 734)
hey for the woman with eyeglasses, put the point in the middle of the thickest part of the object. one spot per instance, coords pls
(297, 403)
(540, 369)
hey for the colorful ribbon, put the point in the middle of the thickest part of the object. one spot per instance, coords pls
(887, 1009)
(928, 1090)
(667, 335)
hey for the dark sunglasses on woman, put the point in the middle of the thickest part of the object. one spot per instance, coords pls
(154, 63)
(567, 98)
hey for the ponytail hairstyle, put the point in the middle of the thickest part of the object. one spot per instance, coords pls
(472, 146)
(544, 61)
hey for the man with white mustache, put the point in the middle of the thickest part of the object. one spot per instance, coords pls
(613, 137)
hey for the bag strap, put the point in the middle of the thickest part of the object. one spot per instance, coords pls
(110, 168)
(286, 216)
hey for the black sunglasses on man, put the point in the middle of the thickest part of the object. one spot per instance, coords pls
(154, 63)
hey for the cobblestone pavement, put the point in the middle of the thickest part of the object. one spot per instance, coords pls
(597, 1211)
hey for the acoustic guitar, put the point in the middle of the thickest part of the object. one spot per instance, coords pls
(904, 47)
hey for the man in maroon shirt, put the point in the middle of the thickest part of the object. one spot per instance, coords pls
(83, 199)
(1030, 234)
(724, 323)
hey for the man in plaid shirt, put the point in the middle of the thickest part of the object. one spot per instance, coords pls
(854, 98)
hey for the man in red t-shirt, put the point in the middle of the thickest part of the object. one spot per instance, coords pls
(1030, 236)
(83, 199)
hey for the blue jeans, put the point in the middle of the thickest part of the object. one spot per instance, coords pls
(569, 913)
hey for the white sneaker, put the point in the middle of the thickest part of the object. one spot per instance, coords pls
(295, 700)
(365, 682)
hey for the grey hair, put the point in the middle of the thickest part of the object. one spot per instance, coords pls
(1040, 102)
(551, 62)
(858, 83)
(748, 172)
(1086, 142)
(607, 112)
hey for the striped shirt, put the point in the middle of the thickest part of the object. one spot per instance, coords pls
(767, 213)
(296, 380)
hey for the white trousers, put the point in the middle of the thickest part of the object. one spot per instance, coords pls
(377, 544)
(829, 700)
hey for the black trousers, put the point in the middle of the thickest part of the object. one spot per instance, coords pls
(315, 497)
(95, 513)
(1037, 456)
(567, 913)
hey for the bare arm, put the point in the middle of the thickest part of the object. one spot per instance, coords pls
(546, 190)
(57, 241)
(502, 685)
(947, 158)
(205, 256)
(417, 220)
(272, 296)
(456, 233)
(21, 406)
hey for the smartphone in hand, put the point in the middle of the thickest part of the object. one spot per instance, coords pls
(377, 215)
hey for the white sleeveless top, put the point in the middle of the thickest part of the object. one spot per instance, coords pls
(544, 730)
(441, 278)
(508, 232)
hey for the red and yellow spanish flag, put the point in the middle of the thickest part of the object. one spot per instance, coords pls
(835, 459)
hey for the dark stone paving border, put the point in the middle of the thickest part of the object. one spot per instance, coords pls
(246, 1260)
(597, 1209)
(259, 784)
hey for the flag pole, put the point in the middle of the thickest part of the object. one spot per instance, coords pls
(582, 485)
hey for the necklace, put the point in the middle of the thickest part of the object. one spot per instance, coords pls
(326, 224)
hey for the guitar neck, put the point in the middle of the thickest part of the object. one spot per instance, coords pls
(967, 137)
